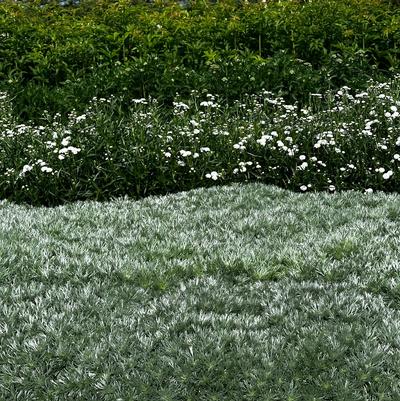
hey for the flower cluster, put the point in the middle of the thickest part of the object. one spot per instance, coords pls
(341, 140)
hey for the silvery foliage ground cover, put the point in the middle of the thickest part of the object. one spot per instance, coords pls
(231, 293)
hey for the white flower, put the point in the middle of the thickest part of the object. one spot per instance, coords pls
(195, 155)
(302, 157)
(46, 169)
(65, 141)
(303, 166)
(74, 150)
(185, 153)
(396, 156)
(26, 168)
(50, 144)
(80, 118)
(213, 175)
(369, 191)
(142, 100)
(206, 104)
(239, 146)
(204, 149)
(303, 188)
(263, 140)
(387, 175)
(332, 188)
(167, 154)
(180, 107)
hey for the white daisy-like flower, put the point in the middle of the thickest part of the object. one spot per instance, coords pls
(142, 101)
(185, 153)
(387, 175)
(80, 118)
(213, 175)
(65, 141)
(207, 104)
(26, 168)
(74, 150)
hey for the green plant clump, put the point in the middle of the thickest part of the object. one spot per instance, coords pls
(106, 152)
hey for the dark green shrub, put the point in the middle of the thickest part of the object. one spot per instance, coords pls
(57, 58)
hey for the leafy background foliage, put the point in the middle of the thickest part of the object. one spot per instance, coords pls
(58, 58)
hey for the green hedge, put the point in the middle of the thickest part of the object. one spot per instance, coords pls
(58, 58)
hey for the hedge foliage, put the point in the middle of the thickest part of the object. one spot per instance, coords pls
(58, 58)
